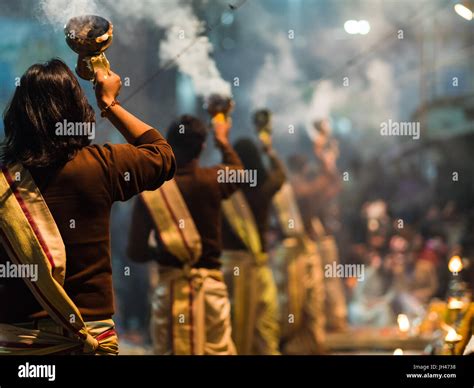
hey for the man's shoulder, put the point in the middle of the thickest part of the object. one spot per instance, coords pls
(200, 176)
(101, 153)
(92, 160)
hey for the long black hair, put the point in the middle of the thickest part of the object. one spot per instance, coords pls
(48, 94)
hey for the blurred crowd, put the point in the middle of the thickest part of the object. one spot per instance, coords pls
(404, 244)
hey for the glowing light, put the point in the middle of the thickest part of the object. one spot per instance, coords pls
(398, 352)
(351, 27)
(452, 336)
(364, 27)
(455, 264)
(403, 323)
(463, 11)
(455, 304)
(357, 27)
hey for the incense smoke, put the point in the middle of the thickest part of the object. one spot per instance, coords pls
(368, 93)
(280, 85)
(58, 12)
(184, 43)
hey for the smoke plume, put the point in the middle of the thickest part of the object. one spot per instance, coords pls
(185, 41)
(58, 12)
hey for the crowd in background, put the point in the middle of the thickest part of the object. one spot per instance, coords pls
(403, 234)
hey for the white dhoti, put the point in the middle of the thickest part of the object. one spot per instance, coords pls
(255, 311)
(300, 284)
(191, 313)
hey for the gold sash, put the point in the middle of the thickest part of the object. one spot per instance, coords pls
(290, 255)
(242, 222)
(244, 297)
(290, 265)
(287, 210)
(30, 236)
(173, 222)
(188, 314)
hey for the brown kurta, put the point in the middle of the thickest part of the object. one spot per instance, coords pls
(259, 199)
(80, 195)
(203, 194)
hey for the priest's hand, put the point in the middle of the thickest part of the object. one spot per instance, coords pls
(221, 131)
(107, 87)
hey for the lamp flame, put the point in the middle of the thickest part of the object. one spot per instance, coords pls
(403, 323)
(455, 304)
(455, 264)
(452, 336)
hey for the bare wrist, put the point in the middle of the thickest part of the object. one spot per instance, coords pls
(222, 142)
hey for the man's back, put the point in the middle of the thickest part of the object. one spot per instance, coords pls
(203, 194)
(80, 195)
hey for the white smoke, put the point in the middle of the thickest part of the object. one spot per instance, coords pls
(325, 97)
(280, 86)
(184, 43)
(58, 12)
(381, 93)
(278, 71)
(277, 86)
(368, 96)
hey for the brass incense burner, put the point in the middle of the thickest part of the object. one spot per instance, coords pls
(262, 120)
(219, 107)
(89, 36)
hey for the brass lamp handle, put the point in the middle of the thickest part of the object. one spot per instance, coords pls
(100, 62)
